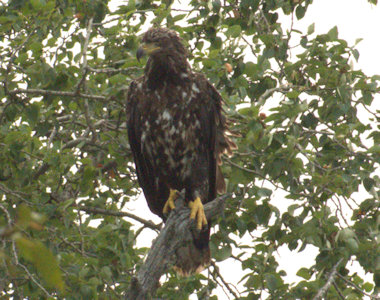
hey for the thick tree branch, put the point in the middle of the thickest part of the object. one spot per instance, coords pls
(177, 231)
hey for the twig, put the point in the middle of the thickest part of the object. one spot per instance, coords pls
(267, 93)
(241, 168)
(33, 279)
(14, 193)
(108, 212)
(341, 296)
(226, 284)
(357, 288)
(56, 93)
(329, 281)
(111, 71)
(162, 253)
(15, 255)
(51, 137)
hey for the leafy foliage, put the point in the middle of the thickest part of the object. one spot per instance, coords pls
(307, 128)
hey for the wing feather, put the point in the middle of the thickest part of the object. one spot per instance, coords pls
(214, 129)
(155, 191)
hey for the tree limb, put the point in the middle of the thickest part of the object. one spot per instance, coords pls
(357, 288)
(108, 212)
(161, 256)
(329, 281)
(226, 284)
(55, 93)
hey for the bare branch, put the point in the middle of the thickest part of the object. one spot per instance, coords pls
(357, 288)
(329, 281)
(269, 92)
(56, 93)
(108, 212)
(341, 296)
(226, 284)
(241, 167)
(161, 256)
(111, 71)
(30, 275)
(15, 255)
(18, 195)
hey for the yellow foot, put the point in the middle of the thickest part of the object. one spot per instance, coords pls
(169, 205)
(197, 211)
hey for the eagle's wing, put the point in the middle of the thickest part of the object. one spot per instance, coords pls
(214, 128)
(155, 192)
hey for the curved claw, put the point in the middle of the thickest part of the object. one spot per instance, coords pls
(197, 211)
(169, 205)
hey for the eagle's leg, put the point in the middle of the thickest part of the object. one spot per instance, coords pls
(198, 212)
(169, 205)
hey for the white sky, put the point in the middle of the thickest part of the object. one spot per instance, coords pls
(355, 19)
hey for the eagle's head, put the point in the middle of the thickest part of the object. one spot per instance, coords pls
(167, 62)
(160, 43)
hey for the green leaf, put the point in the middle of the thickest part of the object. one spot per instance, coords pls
(254, 281)
(374, 149)
(273, 281)
(304, 273)
(262, 214)
(250, 69)
(264, 192)
(223, 253)
(333, 33)
(37, 4)
(32, 113)
(355, 53)
(353, 245)
(368, 183)
(43, 260)
(293, 94)
(233, 31)
(368, 287)
(310, 29)
(300, 12)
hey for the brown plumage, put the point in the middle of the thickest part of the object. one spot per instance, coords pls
(177, 133)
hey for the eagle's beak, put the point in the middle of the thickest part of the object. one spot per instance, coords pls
(146, 49)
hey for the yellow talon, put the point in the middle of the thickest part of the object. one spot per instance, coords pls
(169, 205)
(197, 210)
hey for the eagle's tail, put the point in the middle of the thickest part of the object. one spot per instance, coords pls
(195, 256)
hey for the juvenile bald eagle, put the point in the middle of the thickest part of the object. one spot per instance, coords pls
(177, 133)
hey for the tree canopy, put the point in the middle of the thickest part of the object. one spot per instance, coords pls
(308, 138)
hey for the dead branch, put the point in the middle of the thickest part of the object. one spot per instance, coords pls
(177, 231)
